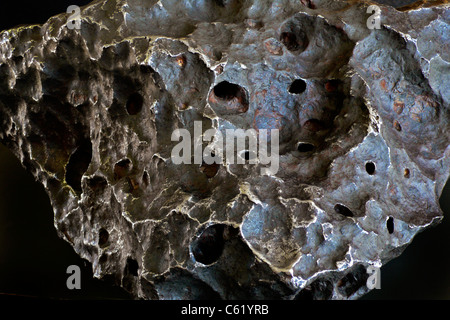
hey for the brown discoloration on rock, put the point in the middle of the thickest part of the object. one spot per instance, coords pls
(406, 173)
(398, 106)
(210, 170)
(273, 46)
(416, 117)
(181, 60)
(383, 85)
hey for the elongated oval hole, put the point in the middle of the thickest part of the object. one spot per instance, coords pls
(370, 168)
(305, 147)
(390, 225)
(208, 246)
(134, 104)
(341, 209)
(226, 90)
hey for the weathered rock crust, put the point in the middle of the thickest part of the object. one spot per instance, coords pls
(364, 140)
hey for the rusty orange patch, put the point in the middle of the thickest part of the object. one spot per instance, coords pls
(398, 106)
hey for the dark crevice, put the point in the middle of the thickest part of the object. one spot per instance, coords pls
(210, 170)
(78, 164)
(97, 183)
(390, 225)
(332, 85)
(103, 237)
(221, 3)
(208, 246)
(131, 268)
(353, 281)
(134, 104)
(343, 210)
(145, 178)
(314, 125)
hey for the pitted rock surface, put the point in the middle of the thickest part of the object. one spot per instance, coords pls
(363, 118)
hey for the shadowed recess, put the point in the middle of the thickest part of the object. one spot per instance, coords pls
(78, 164)
(208, 246)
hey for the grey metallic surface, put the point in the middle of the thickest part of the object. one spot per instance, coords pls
(71, 110)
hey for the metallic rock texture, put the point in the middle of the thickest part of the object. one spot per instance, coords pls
(364, 139)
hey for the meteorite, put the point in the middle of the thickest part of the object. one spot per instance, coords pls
(361, 115)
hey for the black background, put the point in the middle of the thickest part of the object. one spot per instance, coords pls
(33, 260)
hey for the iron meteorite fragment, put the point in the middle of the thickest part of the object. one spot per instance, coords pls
(363, 118)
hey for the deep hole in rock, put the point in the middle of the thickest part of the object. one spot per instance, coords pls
(305, 147)
(406, 173)
(332, 85)
(145, 178)
(306, 294)
(318, 290)
(390, 225)
(227, 91)
(221, 3)
(103, 237)
(314, 125)
(134, 103)
(370, 168)
(354, 280)
(210, 170)
(121, 168)
(208, 247)
(78, 164)
(341, 209)
(294, 42)
(131, 267)
(97, 183)
(297, 86)
(103, 259)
